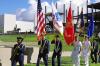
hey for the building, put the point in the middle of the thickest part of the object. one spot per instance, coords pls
(8, 24)
(96, 14)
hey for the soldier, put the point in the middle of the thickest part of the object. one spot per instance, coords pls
(86, 50)
(18, 53)
(99, 56)
(57, 50)
(94, 50)
(76, 52)
(43, 50)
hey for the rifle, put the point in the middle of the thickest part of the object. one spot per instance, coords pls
(15, 53)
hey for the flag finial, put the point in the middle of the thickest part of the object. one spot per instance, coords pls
(70, 2)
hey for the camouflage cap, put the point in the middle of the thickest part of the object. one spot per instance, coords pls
(20, 38)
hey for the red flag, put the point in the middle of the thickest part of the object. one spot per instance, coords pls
(69, 28)
(40, 20)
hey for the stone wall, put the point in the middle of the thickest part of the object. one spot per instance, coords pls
(5, 54)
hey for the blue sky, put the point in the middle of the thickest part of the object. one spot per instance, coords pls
(26, 9)
(49, 1)
(10, 6)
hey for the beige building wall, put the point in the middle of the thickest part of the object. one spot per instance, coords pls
(25, 26)
(9, 22)
(1, 23)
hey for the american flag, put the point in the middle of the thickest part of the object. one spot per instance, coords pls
(40, 20)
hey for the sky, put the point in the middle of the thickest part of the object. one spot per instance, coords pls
(10, 6)
(26, 9)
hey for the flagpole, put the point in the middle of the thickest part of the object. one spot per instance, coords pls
(56, 5)
(77, 28)
(64, 13)
(45, 17)
(65, 18)
(87, 11)
(84, 22)
(77, 14)
(70, 2)
(92, 10)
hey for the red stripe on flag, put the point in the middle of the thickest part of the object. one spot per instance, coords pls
(40, 24)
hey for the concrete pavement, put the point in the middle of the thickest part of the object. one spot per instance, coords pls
(5, 53)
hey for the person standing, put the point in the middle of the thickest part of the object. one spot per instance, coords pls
(99, 56)
(76, 52)
(94, 50)
(18, 53)
(86, 50)
(57, 50)
(43, 50)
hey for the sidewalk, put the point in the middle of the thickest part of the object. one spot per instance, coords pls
(64, 53)
(34, 44)
(5, 52)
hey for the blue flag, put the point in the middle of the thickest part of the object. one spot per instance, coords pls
(91, 27)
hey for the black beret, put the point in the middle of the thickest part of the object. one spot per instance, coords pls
(19, 38)
(57, 36)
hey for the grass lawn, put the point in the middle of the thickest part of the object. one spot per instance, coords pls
(63, 65)
(27, 37)
(12, 38)
(66, 61)
(33, 38)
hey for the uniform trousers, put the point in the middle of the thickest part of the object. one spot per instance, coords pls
(58, 58)
(45, 59)
(19, 59)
